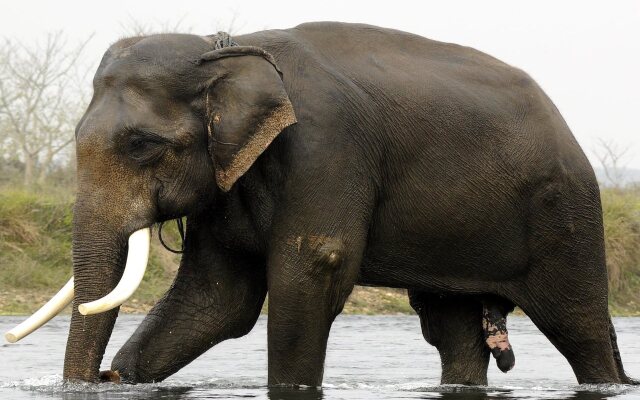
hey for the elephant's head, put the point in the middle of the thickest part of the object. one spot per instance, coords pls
(174, 121)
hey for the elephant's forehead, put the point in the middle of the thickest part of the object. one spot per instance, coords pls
(171, 45)
(128, 73)
(137, 92)
(117, 108)
(172, 51)
(137, 81)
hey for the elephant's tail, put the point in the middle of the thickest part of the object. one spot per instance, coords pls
(616, 356)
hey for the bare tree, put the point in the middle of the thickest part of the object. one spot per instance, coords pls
(612, 158)
(135, 27)
(231, 26)
(40, 101)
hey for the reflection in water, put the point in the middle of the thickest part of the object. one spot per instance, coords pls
(482, 393)
(157, 393)
(588, 396)
(368, 358)
(283, 393)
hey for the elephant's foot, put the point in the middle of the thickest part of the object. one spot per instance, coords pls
(494, 324)
(109, 376)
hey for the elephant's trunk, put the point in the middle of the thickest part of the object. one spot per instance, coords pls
(137, 258)
(98, 260)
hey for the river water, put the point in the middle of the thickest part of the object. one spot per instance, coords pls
(368, 357)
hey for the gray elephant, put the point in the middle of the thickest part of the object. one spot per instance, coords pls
(316, 158)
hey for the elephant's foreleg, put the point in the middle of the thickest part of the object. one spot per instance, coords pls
(217, 295)
(453, 324)
(494, 325)
(310, 277)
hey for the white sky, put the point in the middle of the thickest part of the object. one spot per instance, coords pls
(585, 54)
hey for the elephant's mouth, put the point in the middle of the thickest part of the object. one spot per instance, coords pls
(137, 257)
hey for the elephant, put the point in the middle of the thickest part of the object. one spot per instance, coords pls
(310, 160)
(464, 329)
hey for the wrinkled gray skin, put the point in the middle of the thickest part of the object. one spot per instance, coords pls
(413, 164)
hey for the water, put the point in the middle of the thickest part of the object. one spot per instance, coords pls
(369, 357)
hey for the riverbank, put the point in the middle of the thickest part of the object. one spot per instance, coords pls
(363, 301)
(35, 256)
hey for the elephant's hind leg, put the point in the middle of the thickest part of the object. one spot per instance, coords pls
(578, 326)
(453, 325)
(565, 293)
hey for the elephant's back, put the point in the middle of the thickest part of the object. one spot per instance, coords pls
(366, 55)
(356, 48)
(425, 102)
(457, 142)
(407, 90)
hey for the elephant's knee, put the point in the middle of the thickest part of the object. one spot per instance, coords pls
(331, 253)
(324, 253)
(314, 270)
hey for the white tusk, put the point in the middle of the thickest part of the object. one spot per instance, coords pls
(134, 270)
(44, 314)
(137, 258)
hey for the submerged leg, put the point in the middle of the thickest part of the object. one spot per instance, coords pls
(217, 295)
(453, 324)
(496, 336)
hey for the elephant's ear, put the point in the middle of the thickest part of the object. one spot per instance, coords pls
(247, 107)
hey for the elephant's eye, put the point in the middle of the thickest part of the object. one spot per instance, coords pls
(145, 149)
(137, 144)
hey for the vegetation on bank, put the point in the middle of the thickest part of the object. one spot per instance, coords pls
(621, 212)
(35, 255)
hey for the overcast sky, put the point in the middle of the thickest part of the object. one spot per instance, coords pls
(585, 54)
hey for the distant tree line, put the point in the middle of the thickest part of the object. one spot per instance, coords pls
(43, 92)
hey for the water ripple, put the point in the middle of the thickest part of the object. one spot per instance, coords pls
(367, 358)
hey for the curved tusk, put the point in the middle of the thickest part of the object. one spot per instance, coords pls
(43, 315)
(137, 258)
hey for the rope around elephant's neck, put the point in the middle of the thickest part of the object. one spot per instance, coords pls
(180, 230)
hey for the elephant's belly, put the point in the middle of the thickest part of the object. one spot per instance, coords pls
(440, 265)
(441, 248)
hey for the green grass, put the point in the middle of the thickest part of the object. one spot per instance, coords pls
(35, 240)
(621, 212)
(35, 255)
(35, 252)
